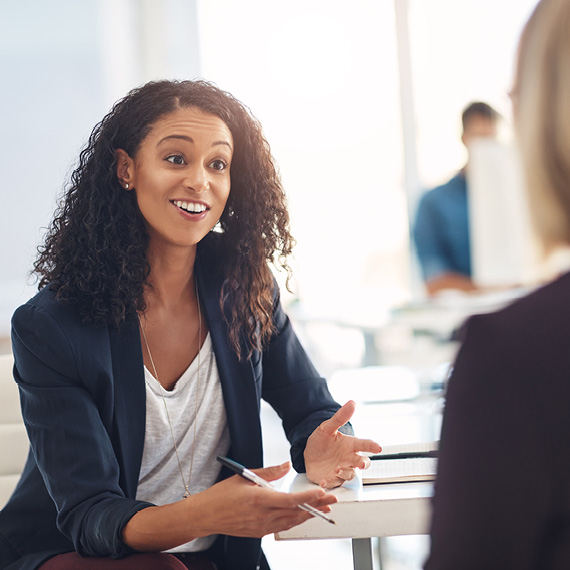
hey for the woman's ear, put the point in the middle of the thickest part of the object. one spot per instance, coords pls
(125, 169)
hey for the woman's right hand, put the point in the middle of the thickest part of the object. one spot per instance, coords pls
(240, 508)
(234, 506)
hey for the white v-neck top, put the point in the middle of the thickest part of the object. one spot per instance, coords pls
(160, 481)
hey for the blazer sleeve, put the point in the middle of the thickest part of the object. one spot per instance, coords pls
(293, 387)
(493, 491)
(73, 450)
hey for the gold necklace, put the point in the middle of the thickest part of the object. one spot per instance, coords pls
(186, 485)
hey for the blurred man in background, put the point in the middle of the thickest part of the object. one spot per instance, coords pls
(441, 229)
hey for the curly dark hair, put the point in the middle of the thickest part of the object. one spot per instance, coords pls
(95, 249)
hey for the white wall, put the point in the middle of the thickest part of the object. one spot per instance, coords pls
(322, 77)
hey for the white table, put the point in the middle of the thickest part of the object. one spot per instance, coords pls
(366, 512)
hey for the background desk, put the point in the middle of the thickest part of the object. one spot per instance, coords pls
(366, 512)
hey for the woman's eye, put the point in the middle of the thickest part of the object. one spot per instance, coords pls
(175, 159)
(218, 164)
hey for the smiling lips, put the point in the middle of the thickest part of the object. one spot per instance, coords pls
(190, 207)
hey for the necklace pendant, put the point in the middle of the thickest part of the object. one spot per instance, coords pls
(186, 494)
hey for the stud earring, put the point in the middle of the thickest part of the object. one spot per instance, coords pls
(126, 186)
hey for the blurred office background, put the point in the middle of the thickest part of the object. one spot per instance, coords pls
(361, 103)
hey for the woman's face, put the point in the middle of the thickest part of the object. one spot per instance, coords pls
(181, 176)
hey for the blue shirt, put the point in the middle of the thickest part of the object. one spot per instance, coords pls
(441, 230)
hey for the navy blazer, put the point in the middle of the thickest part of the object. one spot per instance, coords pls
(83, 402)
(502, 494)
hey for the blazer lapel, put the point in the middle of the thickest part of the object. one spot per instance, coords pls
(238, 385)
(130, 403)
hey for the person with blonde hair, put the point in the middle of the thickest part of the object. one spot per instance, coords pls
(502, 494)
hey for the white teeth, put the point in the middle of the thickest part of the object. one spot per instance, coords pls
(190, 207)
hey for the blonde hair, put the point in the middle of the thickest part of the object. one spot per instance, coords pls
(541, 99)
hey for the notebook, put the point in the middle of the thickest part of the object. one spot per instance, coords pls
(403, 463)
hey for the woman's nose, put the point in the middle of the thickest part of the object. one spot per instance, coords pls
(197, 179)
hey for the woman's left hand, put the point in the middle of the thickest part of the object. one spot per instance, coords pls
(332, 457)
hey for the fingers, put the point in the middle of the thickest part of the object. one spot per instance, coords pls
(285, 510)
(243, 509)
(355, 461)
(337, 478)
(333, 482)
(317, 498)
(289, 521)
(345, 473)
(361, 462)
(365, 446)
(340, 418)
(274, 472)
(277, 500)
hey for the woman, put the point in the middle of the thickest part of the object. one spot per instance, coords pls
(156, 331)
(502, 496)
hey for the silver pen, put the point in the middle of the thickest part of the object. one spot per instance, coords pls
(254, 478)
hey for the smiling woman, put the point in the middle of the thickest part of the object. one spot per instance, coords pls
(150, 344)
(181, 176)
(253, 219)
(181, 179)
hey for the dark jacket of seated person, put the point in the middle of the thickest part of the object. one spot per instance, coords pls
(502, 497)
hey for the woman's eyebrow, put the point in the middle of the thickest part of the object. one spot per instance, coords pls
(180, 137)
(191, 140)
